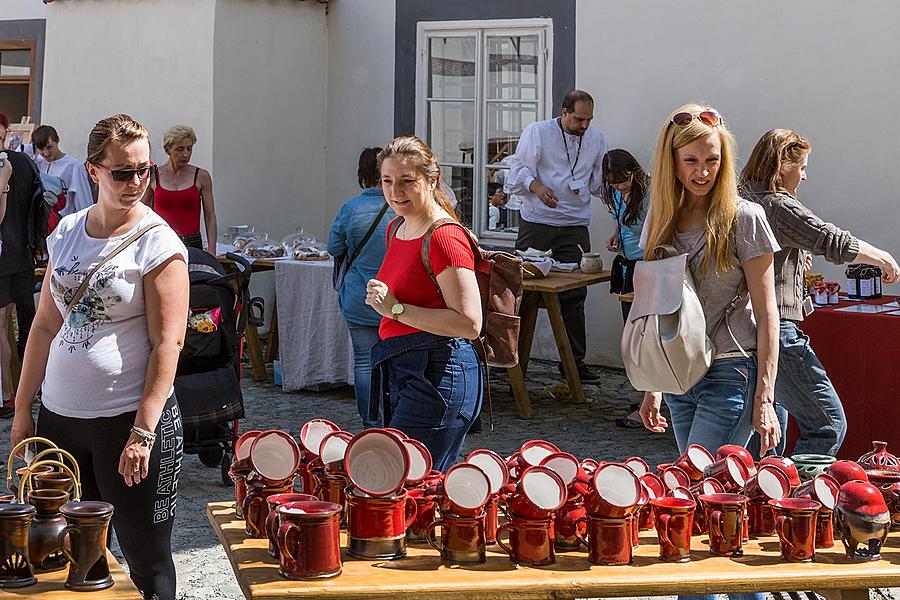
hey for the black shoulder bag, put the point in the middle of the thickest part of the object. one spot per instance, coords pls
(342, 263)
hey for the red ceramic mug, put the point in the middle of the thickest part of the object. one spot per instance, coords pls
(609, 540)
(567, 524)
(725, 519)
(462, 539)
(425, 514)
(674, 524)
(796, 527)
(255, 508)
(376, 527)
(530, 540)
(694, 460)
(539, 493)
(822, 488)
(309, 540)
(466, 490)
(731, 472)
(331, 489)
(616, 492)
(272, 524)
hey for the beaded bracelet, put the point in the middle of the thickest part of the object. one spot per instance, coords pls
(146, 438)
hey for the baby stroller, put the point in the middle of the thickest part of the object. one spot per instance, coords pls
(208, 378)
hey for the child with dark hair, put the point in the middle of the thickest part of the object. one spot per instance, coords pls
(51, 160)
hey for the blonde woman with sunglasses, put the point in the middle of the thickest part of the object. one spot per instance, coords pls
(696, 209)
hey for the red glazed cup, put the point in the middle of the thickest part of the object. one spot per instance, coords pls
(761, 518)
(309, 540)
(567, 525)
(462, 539)
(725, 519)
(731, 472)
(255, 508)
(540, 492)
(796, 527)
(272, 524)
(694, 460)
(425, 514)
(376, 527)
(674, 476)
(674, 524)
(530, 540)
(616, 492)
(608, 541)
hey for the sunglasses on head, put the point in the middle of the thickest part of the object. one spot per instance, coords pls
(127, 174)
(710, 118)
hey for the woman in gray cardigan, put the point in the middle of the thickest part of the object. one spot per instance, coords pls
(773, 172)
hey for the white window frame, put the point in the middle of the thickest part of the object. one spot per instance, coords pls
(481, 30)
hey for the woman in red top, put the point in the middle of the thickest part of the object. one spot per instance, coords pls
(179, 189)
(424, 370)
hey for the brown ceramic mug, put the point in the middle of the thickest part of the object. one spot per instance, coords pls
(15, 521)
(796, 526)
(609, 540)
(272, 522)
(674, 524)
(86, 547)
(309, 539)
(462, 538)
(725, 520)
(530, 540)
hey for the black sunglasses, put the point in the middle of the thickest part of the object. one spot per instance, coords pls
(127, 174)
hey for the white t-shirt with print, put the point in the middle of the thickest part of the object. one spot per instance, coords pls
(98, 359)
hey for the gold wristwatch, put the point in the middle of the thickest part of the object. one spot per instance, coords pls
(397, 310)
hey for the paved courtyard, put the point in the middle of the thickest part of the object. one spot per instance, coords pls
(583, 429)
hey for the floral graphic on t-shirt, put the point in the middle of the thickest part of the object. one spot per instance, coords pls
(92, 308)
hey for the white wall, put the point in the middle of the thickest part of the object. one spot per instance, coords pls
(360, 92)
(810, 65)
(150, 59)
(23, 9)
(270, 111)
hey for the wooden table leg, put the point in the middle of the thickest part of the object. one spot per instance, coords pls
(272, 344)
(257, 364)
(528, 313)
(570, 369)
(520, 392)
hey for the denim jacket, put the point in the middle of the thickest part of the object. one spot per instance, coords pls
(350, 225)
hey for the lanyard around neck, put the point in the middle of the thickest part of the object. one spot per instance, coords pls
(566, 144)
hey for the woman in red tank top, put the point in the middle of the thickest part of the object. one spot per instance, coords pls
(179, 190)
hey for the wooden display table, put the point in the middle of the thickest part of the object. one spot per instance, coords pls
(543, 292)
(421, 574)
(50, 586)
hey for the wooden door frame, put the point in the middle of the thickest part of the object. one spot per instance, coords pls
(31, 46)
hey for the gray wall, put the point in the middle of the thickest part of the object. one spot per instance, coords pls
(26, 30)
(410, 12)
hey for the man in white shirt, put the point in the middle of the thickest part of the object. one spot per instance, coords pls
(53, 161)
(556, 169)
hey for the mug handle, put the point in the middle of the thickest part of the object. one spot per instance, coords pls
(412, 509)
(663, 529)
(271, 528)
(715, 523)
(283, 532)
(246, 508)
(429, 534)
(500, 530)
(62, 543)
(582, 539)
(783, 523)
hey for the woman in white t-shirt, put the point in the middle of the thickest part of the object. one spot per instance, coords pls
(106, 367)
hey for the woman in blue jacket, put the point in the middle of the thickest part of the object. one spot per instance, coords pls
(350, 227)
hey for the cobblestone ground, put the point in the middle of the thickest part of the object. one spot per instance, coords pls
(586, 429)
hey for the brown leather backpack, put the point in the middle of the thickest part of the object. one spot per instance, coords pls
(499, 276)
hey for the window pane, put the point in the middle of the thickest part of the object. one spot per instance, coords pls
(505, 122)
(451, 67)
(451, 131)
(15, 63)
(460, 180)
(502, 211)
(513, 67)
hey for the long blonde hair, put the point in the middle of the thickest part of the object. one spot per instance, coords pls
(666, 190)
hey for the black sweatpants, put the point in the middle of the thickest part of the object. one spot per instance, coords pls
(143, 514)
(563, 240)
(18, 289)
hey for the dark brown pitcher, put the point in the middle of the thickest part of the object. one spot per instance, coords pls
(15, 568)
(44, 548)
(86, 550)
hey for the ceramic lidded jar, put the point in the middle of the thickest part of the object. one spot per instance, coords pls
(862, 519)
(879, 458)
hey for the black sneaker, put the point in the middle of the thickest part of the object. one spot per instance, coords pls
(585, 374)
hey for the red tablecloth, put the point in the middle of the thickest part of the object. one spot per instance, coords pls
(861, 353)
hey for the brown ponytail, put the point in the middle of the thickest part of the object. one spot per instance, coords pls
(776, 149)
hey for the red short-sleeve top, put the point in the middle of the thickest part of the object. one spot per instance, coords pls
(405, 275)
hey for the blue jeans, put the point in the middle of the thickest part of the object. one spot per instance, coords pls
(435, 394)
(718, 410)
(363, 338)
(803, 389)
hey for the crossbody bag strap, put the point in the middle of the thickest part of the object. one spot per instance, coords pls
(87, 280)
(368, 235)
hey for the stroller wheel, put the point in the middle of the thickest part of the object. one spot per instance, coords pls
(210, 457)
(226, 466)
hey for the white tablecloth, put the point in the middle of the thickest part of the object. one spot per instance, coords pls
(314, 342)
